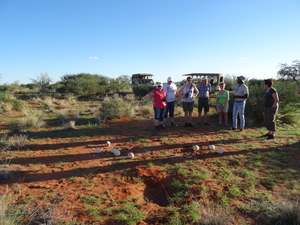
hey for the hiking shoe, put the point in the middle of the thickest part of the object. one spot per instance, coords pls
(157, 128)
(219, 124)
(186, 125)
(264, 136)
(174, 124)
(233, 128)
(162, 126)
(190, 125)
(271, 137)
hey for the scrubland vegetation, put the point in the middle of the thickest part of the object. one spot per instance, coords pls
(259, 183)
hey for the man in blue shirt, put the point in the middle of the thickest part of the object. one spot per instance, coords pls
(203, 98)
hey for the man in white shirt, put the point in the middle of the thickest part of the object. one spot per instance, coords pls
(171, 90)
(241, 93)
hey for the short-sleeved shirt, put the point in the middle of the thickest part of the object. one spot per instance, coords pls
(190, 92)
(240, 90)
(171, 90)
(158, 97)
(268, 99)
(222, 98)
(204, 90)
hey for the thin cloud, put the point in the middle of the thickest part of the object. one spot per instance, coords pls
(93, 57)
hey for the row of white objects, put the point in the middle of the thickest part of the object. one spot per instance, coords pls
(116, 152)
(212, 147)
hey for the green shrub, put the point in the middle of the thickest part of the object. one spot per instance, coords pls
(83, 84)
(115, 107)
(288, 101)
(142, 90)
(6, 97)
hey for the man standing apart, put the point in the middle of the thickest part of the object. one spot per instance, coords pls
(171, 90)
(203, 98)
(241, 93)
(158, 98)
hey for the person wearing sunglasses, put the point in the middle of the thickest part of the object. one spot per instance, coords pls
(158, 97)
(188, 92)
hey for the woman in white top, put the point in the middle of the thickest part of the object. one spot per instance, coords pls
(188, 92)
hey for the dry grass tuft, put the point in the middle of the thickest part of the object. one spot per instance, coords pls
(70, 124)
(49, 102)
(7, 107)
(33, 118)
(144, 109)
(211, 215)
(72, 100)
(63, 115)
(37, 100)
(285, 212)
(17, 141)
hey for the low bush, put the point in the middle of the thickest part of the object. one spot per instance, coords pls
(33, 118)
(288, 101)
(115, 107)
(284, 212)
(10, 214)
(9, 102)
(17, 141)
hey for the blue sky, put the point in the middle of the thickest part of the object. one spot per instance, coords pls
(162, 37)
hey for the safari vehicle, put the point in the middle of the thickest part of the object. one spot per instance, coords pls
(141, 78)
(213, 78)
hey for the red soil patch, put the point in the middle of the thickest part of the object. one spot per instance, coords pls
(62, 171)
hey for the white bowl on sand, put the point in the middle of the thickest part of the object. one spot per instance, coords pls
(130, 155)
(220, 150)
(212, 147)
(196, 147)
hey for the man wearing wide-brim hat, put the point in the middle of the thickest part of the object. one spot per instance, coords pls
(241, 93)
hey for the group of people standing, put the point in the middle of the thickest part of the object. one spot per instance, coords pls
(163, 100)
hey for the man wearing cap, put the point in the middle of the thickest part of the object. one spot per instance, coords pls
(241, 93)
(171, 90)
(203, 98)
(158, 98)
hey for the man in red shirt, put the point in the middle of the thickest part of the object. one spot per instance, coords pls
(158, 98)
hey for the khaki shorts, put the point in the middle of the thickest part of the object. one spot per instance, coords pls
(188, 106)
(224, 109)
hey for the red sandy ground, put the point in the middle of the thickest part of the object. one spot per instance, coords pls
(34, 173)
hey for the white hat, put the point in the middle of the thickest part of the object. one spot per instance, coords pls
(159, 84)
(169, 79)
(204, 78)
(242, 78)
